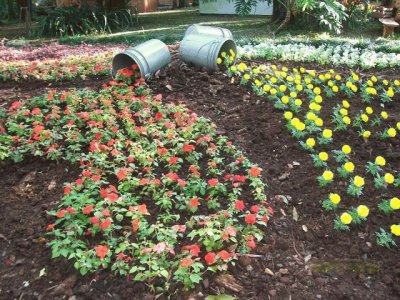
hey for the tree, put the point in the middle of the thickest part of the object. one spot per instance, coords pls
(11, 14)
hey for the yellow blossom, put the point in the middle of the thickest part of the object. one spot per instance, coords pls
(346, 120)
(327, 133)
(384, 115)
(365, 118)
(338, 77)
(349, 167)
(300, 126)
(311, 116)
(246, 76)
(395, 203)
(334, 198)
(293, 94)
(223, 54)
(391, 132)
(319, 122)
(358, 181)
(389, 178)
(288, 115)
(390, 92)
(285, 99)
(380, 161)
(282, 88)
(317, 90)
(395, 229)
(302, 70)
(273, 91)
(335, 89)
(327, 175)
(385, 82)
(355, 77)
(346, 149)
(299, 87)
(366, 134)
(343, 112)
(345, 104)
(398, 125)
(266, 88)
(354, 88)
(323, 156)
(219, 60)
(346, 218)
(310, 142)
(374, 79)
(369, 110)
(233, 68)
(298, 102)
(363, 211)
(318, 99)
(274, 80)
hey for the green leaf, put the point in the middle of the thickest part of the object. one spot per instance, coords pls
(220, 297)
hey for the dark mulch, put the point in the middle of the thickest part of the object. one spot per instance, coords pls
(290, 264)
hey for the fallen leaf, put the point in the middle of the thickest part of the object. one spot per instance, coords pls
(284, 176)
(269, 272)
(307, 258)
(42, 272)
(229, 282)
(305, 229)
(296, 163)
(169, 87)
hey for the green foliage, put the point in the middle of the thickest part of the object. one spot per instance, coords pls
(72, 21)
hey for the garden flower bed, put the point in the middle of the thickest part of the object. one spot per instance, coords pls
(95, 168)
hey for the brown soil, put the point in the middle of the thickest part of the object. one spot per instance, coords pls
(290, 264)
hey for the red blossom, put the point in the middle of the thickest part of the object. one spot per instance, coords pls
(173, 160)
(187, 148)
(254, 209)
(172, 176)
(71, 210)
(94, 220)
(239, 205)
(210, 258)
(158, 116)
(193, 202)
(255, 171)
(213, 182)
(96, 177)
(86, 173)
(135, 225)
(101, 251)
(193, 170)
(250, 219)
(79, 181)
(67, 190)
(224, 255)
(121, 174)
(194, 249)
(162, 151)
(105, 213)
(186, 262)
(87, 209)
(105, 224)
(239, 178)
(232, 231)
(50, 227)
(61, 213)
(250, 242)
(112, 197)
(144, 181)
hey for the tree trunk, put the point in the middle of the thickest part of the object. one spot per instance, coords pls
(288, 16)
(182, 3)
(11, 14)
(279, 10)
(174, 4)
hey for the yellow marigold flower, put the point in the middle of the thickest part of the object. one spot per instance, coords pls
(391, 132)
(285, 69)
(346, 149)
(257, 82)
(310, 86)
(338, 77)
(395, 229)
(365, 118)
(312, 73)
(390, 92)
(319, 122)
(315, 106)
(355, 77)
(346, 120)
(384, 115)
(327, 175)
(300, 126)
(282, 88)
(285, 99)
(288, 115)
(343, 112)
(294, 121)
(327, 133)
(358, 181)
(273, 67)
(335, 89)
(354, 88)
(307, 80)
(371, 91)
(223, 54)
(246, 76)
(323, 156)
(274, 80)
(310, 142)
(311, 116)
(349, 167)
(298, 102)
(334, 198)
(232, 52)
(267, 76)
(330, 83)
(369, 110)
(363, 211)
(318, 99)
(321, 77)
(328, 76)
(293, 94)
(366, 134)
(317, 90)
(373, 78)
(398, 125)
(233, 68)
(242, 67)
(273, 91)
(289, 78)
(219, 60)
(349, 84)
(299, 87)
(346, 218)
(266, 88)
(389, 178)
(302, 70)
(385, 82)
(370, 83)
(380, 161)
(396, 82)
(395, 203)
(255, 71)
(345, 104)
(231, 58)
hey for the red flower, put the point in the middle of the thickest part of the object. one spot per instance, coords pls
(143, 181)
(254, 209)
(232, 231)
(86, 173)
(162, 151)
(250, 219)
(240, 178)
(255, 171)
(181, 182)
(173, 160)
(194, 202)
(194, 249)
(172, 176)
(121, 174)
(159, 116)
(193, 170)
(50, 227)
(79, 181)
(210, 258)
(135, 225)
(186, 262)
(213, 182)
(67, 189)
(61, 213)
(105, 224)
(187, 148)
(239, 205)
(121, 256)
(112, 197)
(250, 242)
(96, 177)
(105, 213)
(130, 159)
(223, 254)
(101, 251)
(71, 210)
(94, 220)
